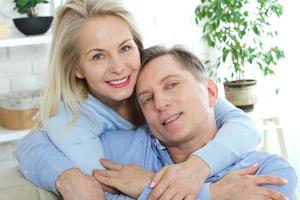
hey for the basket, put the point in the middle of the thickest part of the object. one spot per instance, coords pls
(18, 109)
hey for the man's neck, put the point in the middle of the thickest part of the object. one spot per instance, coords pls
(183, 151)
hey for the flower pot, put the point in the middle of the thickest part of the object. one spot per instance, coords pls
(33, 25)
(241, 93)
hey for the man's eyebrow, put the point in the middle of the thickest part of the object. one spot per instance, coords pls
(142, 93)
(167, 77)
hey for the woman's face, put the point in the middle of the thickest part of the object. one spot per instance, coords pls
(109, 58)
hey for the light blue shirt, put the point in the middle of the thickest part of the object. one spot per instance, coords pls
(144, 150)
(139, 147)
(79, 145)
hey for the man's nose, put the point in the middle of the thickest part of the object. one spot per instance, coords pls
(117, 65)
(161, 101)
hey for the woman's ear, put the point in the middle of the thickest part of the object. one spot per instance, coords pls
(212, 92)
(78, 73)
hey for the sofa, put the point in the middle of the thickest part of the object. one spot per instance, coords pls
(13, 186)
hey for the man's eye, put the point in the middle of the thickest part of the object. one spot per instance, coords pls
(147, 100)
(171, 85)
(125, 48)
(98, 56)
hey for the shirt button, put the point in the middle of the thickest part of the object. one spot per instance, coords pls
(25, 171)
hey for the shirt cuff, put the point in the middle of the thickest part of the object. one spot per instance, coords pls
(214, 155)
(62, 164)
(145, 194)
(204, 192)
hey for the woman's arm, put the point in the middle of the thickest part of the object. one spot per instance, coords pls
(236, 135)
(40, 161)
(79, 140)
(45, 166)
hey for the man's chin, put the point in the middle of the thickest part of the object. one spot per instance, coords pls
(174, 141)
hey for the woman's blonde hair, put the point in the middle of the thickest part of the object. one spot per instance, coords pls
(62, 84)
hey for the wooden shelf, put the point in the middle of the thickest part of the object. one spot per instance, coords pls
(10, 135)
(25, 40)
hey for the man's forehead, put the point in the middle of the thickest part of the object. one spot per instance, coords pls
(159, 70)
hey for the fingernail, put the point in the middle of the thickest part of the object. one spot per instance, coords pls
(285, 180)
(152, 184)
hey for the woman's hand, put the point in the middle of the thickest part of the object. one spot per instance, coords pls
(243, 184)
(180, 181)
(129, 179)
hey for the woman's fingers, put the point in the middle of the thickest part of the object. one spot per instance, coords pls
(106, 173)
(189, 197)
(159, 189)
(110, 165)
(269, 180)
(106, 181)
(157, 177)
(168, 194)
(272, 194)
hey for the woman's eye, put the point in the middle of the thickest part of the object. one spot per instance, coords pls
(125, 48)
(98, 56)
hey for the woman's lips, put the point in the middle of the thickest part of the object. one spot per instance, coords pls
(119, 83)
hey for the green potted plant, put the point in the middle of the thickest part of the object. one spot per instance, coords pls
(238, 29)
(32, 24)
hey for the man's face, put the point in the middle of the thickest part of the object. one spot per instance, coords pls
(176, 106)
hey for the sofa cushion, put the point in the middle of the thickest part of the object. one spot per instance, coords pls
(14, 186)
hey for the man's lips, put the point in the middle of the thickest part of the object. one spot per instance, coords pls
(118, 83)
(171, 119)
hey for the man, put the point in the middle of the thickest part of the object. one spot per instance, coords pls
(177, 101)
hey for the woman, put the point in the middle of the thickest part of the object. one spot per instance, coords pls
(94, 64)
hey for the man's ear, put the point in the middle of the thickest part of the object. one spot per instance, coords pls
(212, 92)
(78, 73)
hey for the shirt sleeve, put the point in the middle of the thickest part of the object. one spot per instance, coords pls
(109, 196)
(79, 141)
(203, 193)
(40, 161)
(236, 135)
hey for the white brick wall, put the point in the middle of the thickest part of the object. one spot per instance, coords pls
(4, 85)
(21, 67)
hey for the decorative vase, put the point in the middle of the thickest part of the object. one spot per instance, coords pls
(33, 25)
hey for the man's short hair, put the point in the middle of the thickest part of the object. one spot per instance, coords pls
(189, 60)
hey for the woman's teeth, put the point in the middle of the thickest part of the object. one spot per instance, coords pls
(118, 82)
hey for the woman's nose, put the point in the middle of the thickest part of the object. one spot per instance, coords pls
(117, 65)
